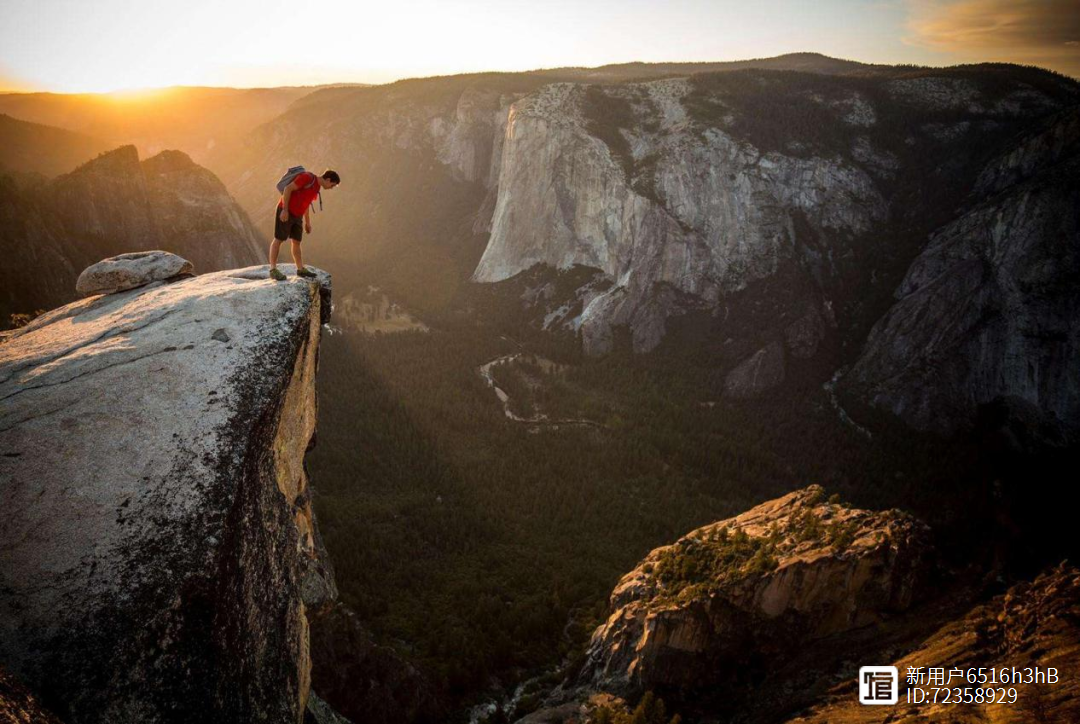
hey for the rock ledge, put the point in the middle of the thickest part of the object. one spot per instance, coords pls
(160, 553)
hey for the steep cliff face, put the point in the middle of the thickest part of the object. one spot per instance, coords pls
(160, 556)
(110, 205)
(706, 184)
(1033, 624)
(459, 120)
(716, 609)
(988, 315)
(663, 202)
(768, 196)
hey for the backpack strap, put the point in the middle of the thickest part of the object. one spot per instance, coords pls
(315, 180)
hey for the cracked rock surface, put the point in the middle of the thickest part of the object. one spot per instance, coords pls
(159, 553)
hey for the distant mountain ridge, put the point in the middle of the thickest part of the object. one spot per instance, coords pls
(113, 204)
(192, 119)
(807, 62)
(35, 148)
(762, 214)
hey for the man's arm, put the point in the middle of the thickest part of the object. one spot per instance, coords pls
(307, 219)
(285, 199)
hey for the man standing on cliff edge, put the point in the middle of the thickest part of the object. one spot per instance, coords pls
(294, 206)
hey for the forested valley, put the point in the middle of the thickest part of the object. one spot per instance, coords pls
(484, 548)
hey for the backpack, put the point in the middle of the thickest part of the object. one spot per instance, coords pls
(291, 173)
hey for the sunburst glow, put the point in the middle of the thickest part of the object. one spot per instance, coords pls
(111, 45)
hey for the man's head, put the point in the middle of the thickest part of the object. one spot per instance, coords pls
(329, 179)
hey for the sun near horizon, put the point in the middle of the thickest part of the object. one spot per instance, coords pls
(127, 50)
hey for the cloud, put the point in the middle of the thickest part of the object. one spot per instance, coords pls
(1039, 32)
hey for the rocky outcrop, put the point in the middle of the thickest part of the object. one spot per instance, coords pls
(988, 315)
(129, 271)
(727, 632)
(111, 205)
(20, 706)
(1034, 624)
(160, 555)
(710, 612)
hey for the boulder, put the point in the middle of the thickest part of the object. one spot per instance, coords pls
(160, 553)
(734, 598)
(129, 271)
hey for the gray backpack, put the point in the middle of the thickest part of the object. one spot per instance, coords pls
(292, 173)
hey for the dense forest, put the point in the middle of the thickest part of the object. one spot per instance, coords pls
(484, 548)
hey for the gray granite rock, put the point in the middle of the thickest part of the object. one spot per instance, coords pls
(720, 215)
(988, 315)
(128, 271)
(158, 540)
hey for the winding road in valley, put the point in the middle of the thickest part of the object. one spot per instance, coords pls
(536, 420)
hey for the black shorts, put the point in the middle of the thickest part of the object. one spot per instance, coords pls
(291, 229)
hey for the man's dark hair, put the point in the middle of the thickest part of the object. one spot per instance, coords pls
(331, 175)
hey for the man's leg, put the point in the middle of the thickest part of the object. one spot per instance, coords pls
(275, 245)
(275, 274)
(297, 256)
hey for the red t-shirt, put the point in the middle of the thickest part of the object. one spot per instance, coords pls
(303, 196)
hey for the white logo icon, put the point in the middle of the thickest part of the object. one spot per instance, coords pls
(878, 684)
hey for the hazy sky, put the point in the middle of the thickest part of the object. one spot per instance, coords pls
(95, 45)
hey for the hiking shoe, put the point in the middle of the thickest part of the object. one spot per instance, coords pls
(276, 275)
(305, 272)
